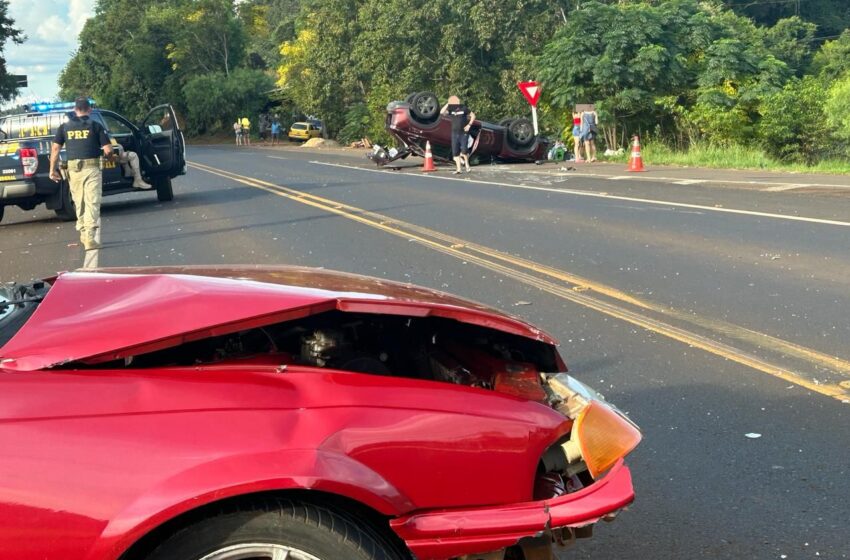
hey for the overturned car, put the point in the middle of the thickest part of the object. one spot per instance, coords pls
(234, 413)
(418, 120)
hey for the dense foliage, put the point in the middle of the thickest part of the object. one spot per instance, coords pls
(8, 32)
(721, 72)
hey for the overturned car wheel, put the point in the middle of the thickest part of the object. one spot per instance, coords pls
(425, 106)
(275, 530)
(520, 133)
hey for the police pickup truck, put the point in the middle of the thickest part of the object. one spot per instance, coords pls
(25, 141)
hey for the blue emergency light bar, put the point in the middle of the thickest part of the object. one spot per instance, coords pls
(54, 106)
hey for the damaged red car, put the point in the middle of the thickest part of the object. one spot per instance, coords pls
(417, 120)
(290, 413)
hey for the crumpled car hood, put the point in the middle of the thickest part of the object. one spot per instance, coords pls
(114, 313)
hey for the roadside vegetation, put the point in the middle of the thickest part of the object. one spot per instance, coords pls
(706, 82)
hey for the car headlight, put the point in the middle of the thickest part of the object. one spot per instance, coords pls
(601, 435)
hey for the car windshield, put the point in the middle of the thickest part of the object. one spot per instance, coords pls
(299, 126)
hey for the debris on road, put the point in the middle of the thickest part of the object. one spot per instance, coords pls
(752, 435)
(320, 143)
(517, 304)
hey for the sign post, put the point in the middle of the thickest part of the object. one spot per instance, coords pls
(531, 91)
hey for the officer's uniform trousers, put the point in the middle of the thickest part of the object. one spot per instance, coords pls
(86, 182)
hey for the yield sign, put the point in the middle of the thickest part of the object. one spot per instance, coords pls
(531, 91)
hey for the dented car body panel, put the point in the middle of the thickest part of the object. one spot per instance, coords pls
(155, 393)
(200, 302)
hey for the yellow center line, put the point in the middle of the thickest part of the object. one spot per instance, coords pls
(472, 252)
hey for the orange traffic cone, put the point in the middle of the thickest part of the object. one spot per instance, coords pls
(636, 161)
(429, 159)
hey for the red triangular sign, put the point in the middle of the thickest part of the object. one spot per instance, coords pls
(531, 91)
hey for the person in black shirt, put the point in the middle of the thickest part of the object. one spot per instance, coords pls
(84, 140)
(462, 119)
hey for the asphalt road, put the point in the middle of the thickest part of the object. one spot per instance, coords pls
(707, 312)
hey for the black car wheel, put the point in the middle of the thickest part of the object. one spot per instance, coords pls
(275, 530)
(521, 133)
(164, 191)
(425, 106)
(2, 210)
(67, 211)
(506, 122)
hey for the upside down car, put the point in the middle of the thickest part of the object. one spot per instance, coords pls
(290, 413)
(417, 120)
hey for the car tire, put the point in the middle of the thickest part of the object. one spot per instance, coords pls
(410, 97)
(506, 122)
(272, 529)
(425, 106)
(164, 190)
(521, 133)
(2, 211)
(66, 212)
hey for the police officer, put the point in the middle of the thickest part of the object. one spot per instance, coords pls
(84, 140)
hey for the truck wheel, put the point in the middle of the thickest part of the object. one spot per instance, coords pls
(2, 210)
(425, 106)
(521, 133)
(274, 530)
(164, 192)
(67, 212)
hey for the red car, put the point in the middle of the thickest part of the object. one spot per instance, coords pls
(290, 413)
(418, 119)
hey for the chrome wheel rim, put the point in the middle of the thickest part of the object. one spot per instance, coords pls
(259, 551)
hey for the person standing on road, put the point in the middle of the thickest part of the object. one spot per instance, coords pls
(577, 135)
(246, 131)
(84, 140)
(237, 130)
(588, 134)
(263, 127)
(462, 119)
(275, 131)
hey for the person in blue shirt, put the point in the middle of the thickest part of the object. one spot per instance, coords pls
(275, 131)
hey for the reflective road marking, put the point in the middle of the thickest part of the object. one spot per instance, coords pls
(593, 194)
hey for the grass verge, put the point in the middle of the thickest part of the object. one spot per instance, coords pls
(733, 157)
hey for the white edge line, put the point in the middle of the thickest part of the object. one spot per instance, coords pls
(608, 196)
(677, 180)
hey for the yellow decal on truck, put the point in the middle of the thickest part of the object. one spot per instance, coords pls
(9, 149)
(33, 131)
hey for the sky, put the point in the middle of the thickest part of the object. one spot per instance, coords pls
(52, 28)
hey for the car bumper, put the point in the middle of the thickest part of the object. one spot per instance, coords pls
(445, 534)
(16, 189)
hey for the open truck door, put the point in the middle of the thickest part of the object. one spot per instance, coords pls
(163, 146)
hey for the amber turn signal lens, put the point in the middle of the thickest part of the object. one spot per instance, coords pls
(604, 437)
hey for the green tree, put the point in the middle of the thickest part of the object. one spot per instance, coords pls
(833, 59)
(267, 24)
(830, 16)
(794, 126)
(8, 32)
(791, 40)
(837, 109)
(216, 99)
(317, 72)
(121, 59)
(623, 57)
